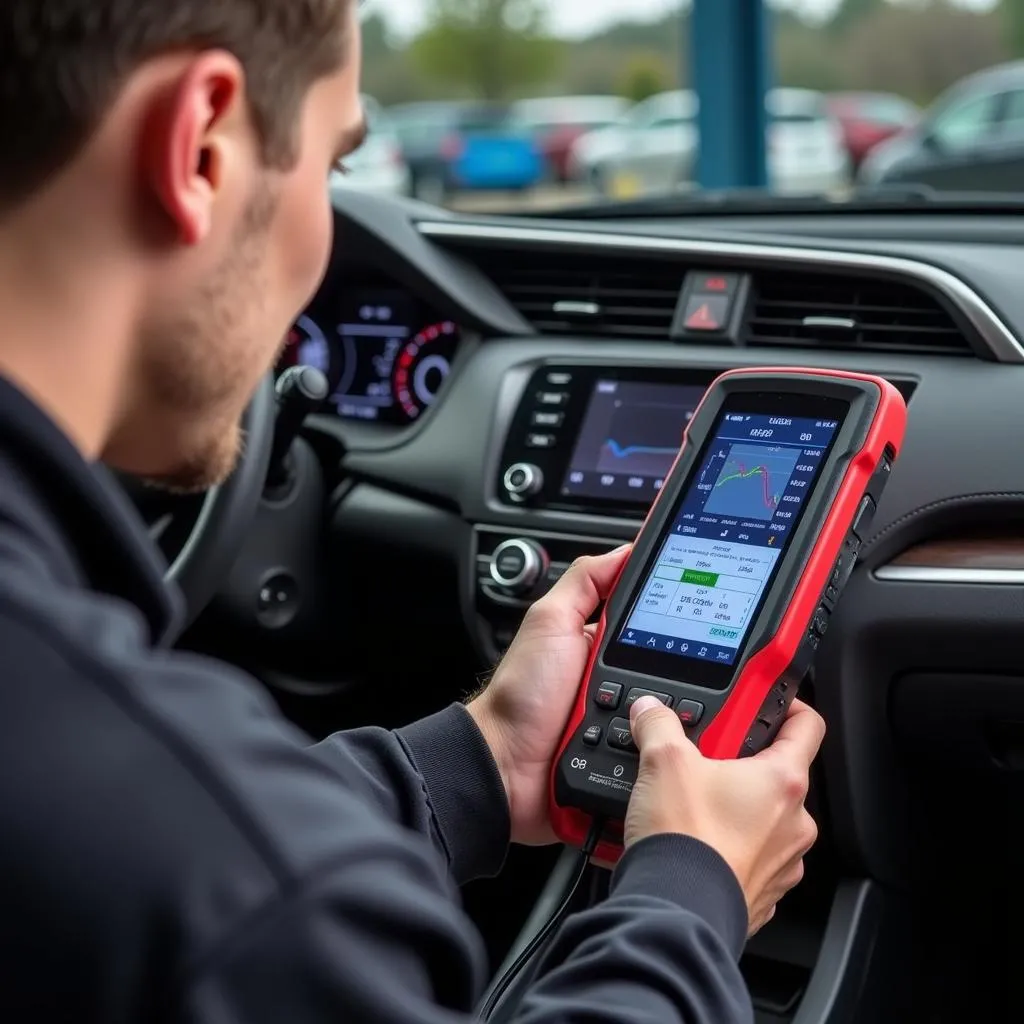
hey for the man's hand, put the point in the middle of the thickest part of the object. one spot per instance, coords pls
(524, 710)
(750, 810)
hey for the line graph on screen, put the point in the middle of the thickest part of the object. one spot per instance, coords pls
(750, 481)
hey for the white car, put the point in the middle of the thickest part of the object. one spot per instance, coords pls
(654, 141)
(807, 150)
(655, 147)
(378, 165)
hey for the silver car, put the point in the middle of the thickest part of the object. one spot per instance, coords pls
(655, 146)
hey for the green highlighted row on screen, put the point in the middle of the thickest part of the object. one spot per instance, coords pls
(694, 576)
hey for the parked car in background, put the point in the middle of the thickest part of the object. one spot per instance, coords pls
(870, 118)
(653, 141)
(655, 147)
(378, 165)
(452, 147)
(806, 147)
(555, 123)
(971, 139)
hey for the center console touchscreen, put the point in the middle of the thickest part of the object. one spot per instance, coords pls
(600, 439)
(628, 439)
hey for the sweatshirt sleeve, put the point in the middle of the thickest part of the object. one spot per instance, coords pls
(664, 947)
(375, 939)
(436, 776)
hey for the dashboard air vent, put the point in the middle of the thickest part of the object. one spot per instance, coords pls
(820, 310)
(619, 296)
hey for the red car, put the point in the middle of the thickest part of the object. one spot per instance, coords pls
(868, 118)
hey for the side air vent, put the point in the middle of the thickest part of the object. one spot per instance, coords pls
(580, 293)
(819, 310)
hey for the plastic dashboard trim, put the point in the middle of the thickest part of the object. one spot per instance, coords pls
(1004, 346)
(950, 575)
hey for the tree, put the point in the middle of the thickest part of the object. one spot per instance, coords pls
(919, 53)
(490, 49)
(805, 57)
(1012, 14)
(375, 38)
(645, 75)
(850, 12)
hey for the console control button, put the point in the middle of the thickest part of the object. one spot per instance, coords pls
(510, 561)
(547, 419)
(690, 712)
(522, 480)
(619, 735)
(636, 693)
(608, 695)
(518, 565)
(552, 399)
(707, 313)
(592, 735)
(540, 440)
(708, 304)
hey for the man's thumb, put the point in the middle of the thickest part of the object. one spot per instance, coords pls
(653, 724)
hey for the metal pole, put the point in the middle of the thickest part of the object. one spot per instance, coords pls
(730, 44)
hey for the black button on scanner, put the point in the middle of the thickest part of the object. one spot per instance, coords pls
(619, 735)
(819, 624)
(865, 515)
(608, 695)
(690, 712)
(637, 692)
(592, 735)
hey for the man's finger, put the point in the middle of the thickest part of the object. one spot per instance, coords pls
(653, 725)
(800, 737)
(587, 582)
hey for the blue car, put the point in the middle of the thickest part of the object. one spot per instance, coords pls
(492, 154)
(453, 147)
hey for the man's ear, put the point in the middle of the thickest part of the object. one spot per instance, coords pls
(188, 143)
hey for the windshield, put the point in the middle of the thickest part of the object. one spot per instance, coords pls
(525, 106)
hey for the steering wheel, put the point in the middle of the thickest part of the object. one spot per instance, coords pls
(228, 509)
(207, 550)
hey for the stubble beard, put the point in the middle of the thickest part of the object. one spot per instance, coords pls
(199, 368)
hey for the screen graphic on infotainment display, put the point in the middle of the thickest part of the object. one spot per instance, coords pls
(729, 532)
(629, 438)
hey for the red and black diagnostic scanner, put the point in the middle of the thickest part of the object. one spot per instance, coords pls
(722, 604)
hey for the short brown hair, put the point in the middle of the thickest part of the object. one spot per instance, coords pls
(64, 62)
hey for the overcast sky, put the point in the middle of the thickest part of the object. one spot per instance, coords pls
(578, 17)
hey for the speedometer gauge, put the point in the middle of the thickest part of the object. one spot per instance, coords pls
(307, 346)
(422, 366)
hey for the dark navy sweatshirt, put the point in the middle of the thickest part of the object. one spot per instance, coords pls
(173, 850)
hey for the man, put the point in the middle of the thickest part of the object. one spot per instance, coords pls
(171, 849)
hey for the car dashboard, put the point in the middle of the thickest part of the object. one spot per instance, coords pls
(507, 394)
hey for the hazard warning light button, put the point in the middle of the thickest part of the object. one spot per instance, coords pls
(706, 313)
(711, 304)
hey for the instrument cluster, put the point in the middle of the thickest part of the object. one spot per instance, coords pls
(385, 354)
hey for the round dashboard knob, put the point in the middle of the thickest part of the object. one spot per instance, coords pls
(518, 565)
(523, 480)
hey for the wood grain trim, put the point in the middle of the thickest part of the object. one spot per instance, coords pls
(966, 553)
